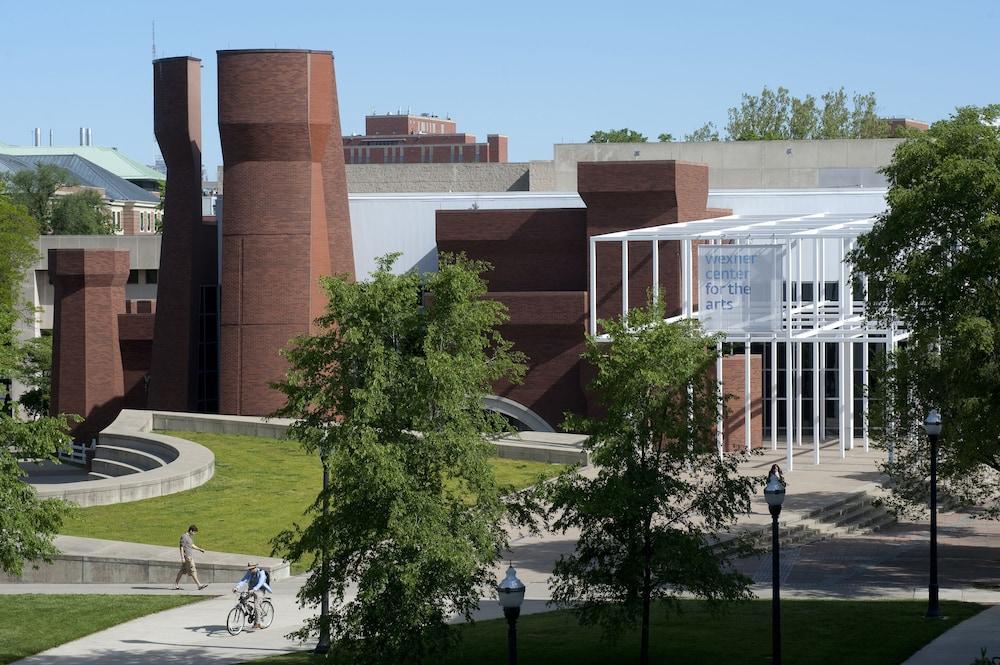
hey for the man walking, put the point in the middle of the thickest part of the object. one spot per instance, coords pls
(187, 548)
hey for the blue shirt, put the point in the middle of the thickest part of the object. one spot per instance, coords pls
(254, 579)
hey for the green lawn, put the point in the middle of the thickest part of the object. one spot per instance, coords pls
(260, 487)
(815, 632)
(33, 623)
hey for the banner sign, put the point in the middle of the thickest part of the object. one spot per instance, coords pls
(740, 287)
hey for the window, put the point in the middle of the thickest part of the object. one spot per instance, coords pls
(151, 276)
(133, 276)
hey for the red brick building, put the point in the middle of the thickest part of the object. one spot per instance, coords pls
(420, 139)
(540, 268)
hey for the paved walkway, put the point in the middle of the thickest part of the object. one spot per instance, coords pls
(888, 564)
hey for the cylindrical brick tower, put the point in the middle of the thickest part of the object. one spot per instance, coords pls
(177, 125)
(285, 213)
(86, 360)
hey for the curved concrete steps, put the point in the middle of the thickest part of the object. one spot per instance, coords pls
(134, 463)
(113, 468)
(127, 455)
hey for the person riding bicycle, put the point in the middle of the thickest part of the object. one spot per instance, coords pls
(255, 580)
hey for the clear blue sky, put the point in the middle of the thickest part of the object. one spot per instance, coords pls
(539, 72)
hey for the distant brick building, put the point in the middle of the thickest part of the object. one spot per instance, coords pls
(420, 139)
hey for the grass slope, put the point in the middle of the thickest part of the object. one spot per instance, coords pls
(260, 487)
(33, 623)
(815, 632)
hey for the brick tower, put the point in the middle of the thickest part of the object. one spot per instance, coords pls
(285, 220)
(188, 250)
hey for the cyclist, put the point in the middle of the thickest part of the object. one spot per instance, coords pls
(255, 580)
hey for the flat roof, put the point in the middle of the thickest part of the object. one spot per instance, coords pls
(760, 227)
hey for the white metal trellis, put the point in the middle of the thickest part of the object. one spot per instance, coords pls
(814, 249)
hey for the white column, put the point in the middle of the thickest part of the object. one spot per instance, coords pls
(720, 393)
(864, 393)
(687, 254)
(746, 394)
(891, 349)
(817, 405)
(798, 394)
(789, 432)
(593, 287)
(656, 271)
(774, 393)
(624, 279)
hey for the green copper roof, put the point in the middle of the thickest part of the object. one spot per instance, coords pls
(107, 158)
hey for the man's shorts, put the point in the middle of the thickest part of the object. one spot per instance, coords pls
(187, 568)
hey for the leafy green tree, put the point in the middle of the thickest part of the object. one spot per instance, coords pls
(27, 524)
(931, 262)
(763, 118)
(665, 137)
(35, 370)
(34, 190)
(835, 117)
(865, 123)
(623, 135)
(661, 491)
(81, 213)
(706, 132)
(804, 120)
(389, 394)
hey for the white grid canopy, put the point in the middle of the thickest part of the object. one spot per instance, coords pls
(821, 303)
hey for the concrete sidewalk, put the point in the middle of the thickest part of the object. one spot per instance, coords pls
(192, 634)
(963, 644)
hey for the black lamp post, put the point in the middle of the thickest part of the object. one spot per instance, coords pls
(932, 425)
(774, 492)
(511, 594)
(323, 646)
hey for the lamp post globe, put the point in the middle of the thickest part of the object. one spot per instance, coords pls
(932, 425)
(510, 592)
(774, 494)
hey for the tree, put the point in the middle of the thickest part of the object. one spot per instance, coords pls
(623, 135)
(776, 115)
(665, 137)
(865, 123)
(34, 190)
(34, 369)
(389, 394)
(81, 213)
(661, 491)
(804, 119)
(763, 118)
(706, 132)
(834, 119)
(27, 524)
(931, 262)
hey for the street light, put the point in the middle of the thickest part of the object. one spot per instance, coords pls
(932, 425)
(511, 594)
(774, 492)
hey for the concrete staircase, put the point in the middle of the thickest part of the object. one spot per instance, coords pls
(855, 514)
(128, 457)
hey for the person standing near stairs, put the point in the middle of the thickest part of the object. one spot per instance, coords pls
(187, 548)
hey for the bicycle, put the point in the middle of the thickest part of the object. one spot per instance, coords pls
(243, 614)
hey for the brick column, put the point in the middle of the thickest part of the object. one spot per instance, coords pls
(86, 360)
(285, 213)
(184, 257)
(641, 194)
